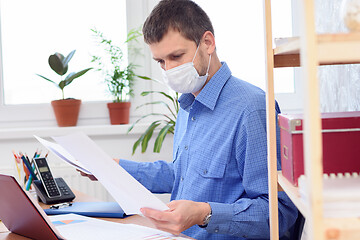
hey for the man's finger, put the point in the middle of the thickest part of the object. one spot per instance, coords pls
(164, 216)
(166, 226)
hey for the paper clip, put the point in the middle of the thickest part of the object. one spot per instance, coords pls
(61, 205)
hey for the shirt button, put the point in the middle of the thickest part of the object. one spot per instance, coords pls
(186, 147)
(193, 119)
(205, 171)
(182, 178)
(217, 229)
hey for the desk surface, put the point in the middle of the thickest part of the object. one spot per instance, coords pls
(81, 197)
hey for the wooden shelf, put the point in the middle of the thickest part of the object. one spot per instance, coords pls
(341, 48)
(342, 228)
(293, 193)
(335, 228)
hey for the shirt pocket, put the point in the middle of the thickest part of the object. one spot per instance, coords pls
(209, 168)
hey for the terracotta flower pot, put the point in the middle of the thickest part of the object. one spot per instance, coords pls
(66, 111)
(119, 112)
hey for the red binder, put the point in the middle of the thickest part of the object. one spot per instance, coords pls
(19, 213)
(341, 143)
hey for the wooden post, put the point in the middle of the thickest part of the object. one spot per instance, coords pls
(271, 124)
(312, 121)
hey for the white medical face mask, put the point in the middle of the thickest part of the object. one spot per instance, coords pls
(185, 78)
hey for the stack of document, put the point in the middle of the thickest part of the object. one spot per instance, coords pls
(74, 227)
(341, 195)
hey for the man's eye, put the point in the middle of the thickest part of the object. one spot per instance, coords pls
(160, 61)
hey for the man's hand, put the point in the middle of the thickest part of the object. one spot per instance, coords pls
(182, 215)
(92, 177)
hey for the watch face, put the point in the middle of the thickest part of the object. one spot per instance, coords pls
(207, 219)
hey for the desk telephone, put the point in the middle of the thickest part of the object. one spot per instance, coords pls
(48, 189)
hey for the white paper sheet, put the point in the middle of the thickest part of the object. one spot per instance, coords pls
(74, 227)
(125, 189)
(62, 154)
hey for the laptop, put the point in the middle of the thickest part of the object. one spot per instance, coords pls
(21, 214)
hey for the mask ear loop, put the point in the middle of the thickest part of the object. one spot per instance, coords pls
(195, 53)
(207, 71)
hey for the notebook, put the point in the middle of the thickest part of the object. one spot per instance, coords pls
(91, 209)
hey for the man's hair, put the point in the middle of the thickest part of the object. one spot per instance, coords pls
(184, 16)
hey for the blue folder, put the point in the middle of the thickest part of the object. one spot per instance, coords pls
(91, 209)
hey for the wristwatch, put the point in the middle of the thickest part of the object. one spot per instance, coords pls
(206, 220)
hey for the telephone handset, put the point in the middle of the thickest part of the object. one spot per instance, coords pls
(50, 190)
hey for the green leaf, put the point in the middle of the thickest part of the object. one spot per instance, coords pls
(62, 84)
(160, 138)
(145, 116)
(55, 62)
(68, 58)
(69, 78)
(147, 78)
(136, 144)
(46, 78)
(145, 93)
(158, 102)
(140, 140)
(147, 135)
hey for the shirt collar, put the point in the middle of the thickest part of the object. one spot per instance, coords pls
(209, 95)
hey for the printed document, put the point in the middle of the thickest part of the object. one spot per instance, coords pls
(126, 190)
(72, 226)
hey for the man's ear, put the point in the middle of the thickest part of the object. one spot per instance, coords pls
(209, 40)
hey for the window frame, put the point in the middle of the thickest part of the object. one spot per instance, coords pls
(91, 113)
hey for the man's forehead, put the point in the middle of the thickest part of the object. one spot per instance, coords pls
(171, 43)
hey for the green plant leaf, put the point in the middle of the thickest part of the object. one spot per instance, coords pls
(66, 61)
(147, 78)
(55, 62)
(62, 84)
(145, 116)
(158, 102)
(161, 136)
(143, 136)
(47, 79)
(147, 135)
(136, 144)
(71, 76)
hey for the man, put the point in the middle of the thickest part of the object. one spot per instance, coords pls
(218, 177)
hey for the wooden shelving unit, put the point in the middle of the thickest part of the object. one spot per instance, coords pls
(311, 50)
(332, 49)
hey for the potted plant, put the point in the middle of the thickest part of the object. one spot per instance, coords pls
(66, 109)
(119, 76)
(166, 121)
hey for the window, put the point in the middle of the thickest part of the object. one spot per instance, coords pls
(113, 17)
(37, 29)
(239, 33)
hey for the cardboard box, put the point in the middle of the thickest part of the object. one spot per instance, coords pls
(341, 144)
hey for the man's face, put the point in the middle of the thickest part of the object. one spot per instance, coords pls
(174, 50)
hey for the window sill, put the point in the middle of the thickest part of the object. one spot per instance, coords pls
(95, 130)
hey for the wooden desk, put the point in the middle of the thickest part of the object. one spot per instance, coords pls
(81, 197)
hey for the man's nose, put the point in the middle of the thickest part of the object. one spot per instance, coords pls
(168, 65)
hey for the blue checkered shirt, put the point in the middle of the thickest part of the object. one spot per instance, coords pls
(220, 157)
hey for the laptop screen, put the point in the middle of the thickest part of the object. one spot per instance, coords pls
(20, 214)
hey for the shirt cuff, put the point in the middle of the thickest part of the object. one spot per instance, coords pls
(221, 217)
